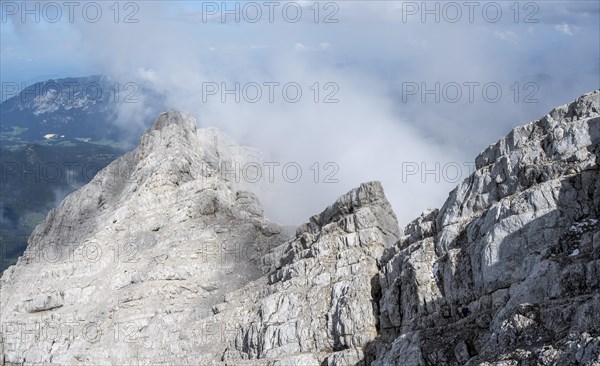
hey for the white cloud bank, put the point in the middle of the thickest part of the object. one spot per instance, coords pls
(365, 59)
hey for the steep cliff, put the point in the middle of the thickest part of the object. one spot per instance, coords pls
(508, 270)
(162, 259)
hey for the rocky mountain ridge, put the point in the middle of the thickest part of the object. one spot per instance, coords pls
(73, 111)
(159, 260)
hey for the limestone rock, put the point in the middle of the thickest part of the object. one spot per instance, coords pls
(319, 296)
(151, 244)
(166, 258)
(505, 271)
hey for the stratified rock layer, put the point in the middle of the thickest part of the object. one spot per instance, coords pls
(507, 272)
(163, 260)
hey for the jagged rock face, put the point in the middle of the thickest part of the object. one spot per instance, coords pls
(168, 262)
(319, 302)
(507, 271)
(149, 245)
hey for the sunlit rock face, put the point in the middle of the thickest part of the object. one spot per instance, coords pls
(142, 252)
(161, 259)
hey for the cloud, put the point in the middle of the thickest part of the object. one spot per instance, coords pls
(371, 133)
(508, 36)
(147, 75)
(565, 28)
(300, 47)
(366, 60)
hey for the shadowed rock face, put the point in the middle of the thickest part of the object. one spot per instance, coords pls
(160, 260)
(506, 272)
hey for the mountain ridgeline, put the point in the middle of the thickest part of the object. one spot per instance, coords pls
(161, 260)
(58, 110)
(54, 136)
(70, 111)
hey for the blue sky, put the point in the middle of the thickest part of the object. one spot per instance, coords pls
(374, 51)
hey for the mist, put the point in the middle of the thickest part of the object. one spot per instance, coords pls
(372, 129)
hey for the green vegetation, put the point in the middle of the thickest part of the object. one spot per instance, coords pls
(66, 143)
(34, 179)
(105, 142)
(12, 135)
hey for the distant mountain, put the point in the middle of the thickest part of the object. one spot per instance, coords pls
(54, 111)
(68, 111)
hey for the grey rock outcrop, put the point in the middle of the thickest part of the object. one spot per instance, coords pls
(162, 259)
(506, 273)
(319, 300)
(150, 244)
